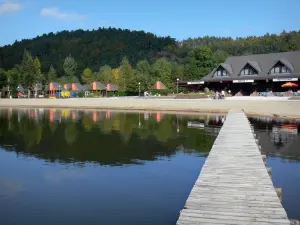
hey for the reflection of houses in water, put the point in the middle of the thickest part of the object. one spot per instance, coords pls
(108, 115)
(9, 112)
(158, 117)
(75, 115)
(65, 113)
(55, 115)
(95, 117)
(194, 124)
(208, 129)
(284, 133)
(269, 120)
(99, 115)
(219, 119)
(30, 113)
(146, 116)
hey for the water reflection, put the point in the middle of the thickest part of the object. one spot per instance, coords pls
(105, 137)
(278, 136)
(280, 141)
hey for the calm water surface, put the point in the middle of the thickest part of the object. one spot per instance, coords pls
(99, 167)
(280, 141)
(105, 167)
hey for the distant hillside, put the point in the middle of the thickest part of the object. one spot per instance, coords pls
(89, 48)
(269, 43)
(190, 59)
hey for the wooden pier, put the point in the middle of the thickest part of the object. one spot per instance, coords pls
(234, 186)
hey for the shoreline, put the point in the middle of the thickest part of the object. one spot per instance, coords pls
(272, 108)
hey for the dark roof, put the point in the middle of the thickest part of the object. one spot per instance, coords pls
(262, 63)
(86, 87)
(56, 86)
(98, 86)
(111, 87)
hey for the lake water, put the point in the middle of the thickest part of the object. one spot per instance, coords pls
(280, 141)
(99, 167)
(104, 167)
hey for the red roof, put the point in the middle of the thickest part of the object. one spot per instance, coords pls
(159, 86)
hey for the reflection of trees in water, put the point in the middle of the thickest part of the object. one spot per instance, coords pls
(123, 138)
(71, 132)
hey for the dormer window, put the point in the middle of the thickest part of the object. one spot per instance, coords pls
(221, 72)
(248, 70)
(280, 68)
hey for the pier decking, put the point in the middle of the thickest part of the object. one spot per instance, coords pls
(234, 186)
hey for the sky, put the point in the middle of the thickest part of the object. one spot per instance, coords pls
(20, 19)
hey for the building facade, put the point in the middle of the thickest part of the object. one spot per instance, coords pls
(246, 74)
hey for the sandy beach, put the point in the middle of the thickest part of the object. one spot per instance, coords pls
(274, 108)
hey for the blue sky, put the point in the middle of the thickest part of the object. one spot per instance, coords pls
(180, 19)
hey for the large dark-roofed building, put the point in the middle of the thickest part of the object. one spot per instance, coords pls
(255, 72)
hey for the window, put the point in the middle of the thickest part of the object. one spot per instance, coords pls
(221, 72)
(280, 68)
(248, 70)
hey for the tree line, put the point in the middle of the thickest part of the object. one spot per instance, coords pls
(125, 57)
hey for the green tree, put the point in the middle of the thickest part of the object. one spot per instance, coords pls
(38, 74)
(219, 57)
(133, 80)
(116, 76)
(199, 63)
(52, 75)
(67, 80)
(125, 73)
(3, 79)
(177, 71)
(143, 70)
(162, 71)
(105, 75)
(87, 76)
(13, 76)
(70, 67)
(28, 72)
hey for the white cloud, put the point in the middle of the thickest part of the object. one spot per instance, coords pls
(9, 7)
(56, 13)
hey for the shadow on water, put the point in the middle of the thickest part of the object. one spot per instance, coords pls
(105, 137)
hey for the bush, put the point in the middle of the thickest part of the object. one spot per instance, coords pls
(80, 94)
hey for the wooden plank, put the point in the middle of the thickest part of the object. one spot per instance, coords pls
(234, 186)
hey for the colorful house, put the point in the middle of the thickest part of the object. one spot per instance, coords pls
(111, 87)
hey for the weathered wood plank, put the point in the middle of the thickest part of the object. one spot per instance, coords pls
(234, 186)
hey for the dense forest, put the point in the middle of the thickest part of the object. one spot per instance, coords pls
(126, 57)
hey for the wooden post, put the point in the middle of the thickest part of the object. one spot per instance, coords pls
(264, 158)
(279, 193)
(294, 222)
(269, 172)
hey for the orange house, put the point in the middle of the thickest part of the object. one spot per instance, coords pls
(111, 87)
(76, 87)
(67, 87)
(98, 86)
(53, 87)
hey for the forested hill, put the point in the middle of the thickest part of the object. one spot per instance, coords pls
(269, 43)
(89, 48)
(115, 55)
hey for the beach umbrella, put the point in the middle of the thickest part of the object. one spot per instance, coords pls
(289, 84)
(159, 86)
